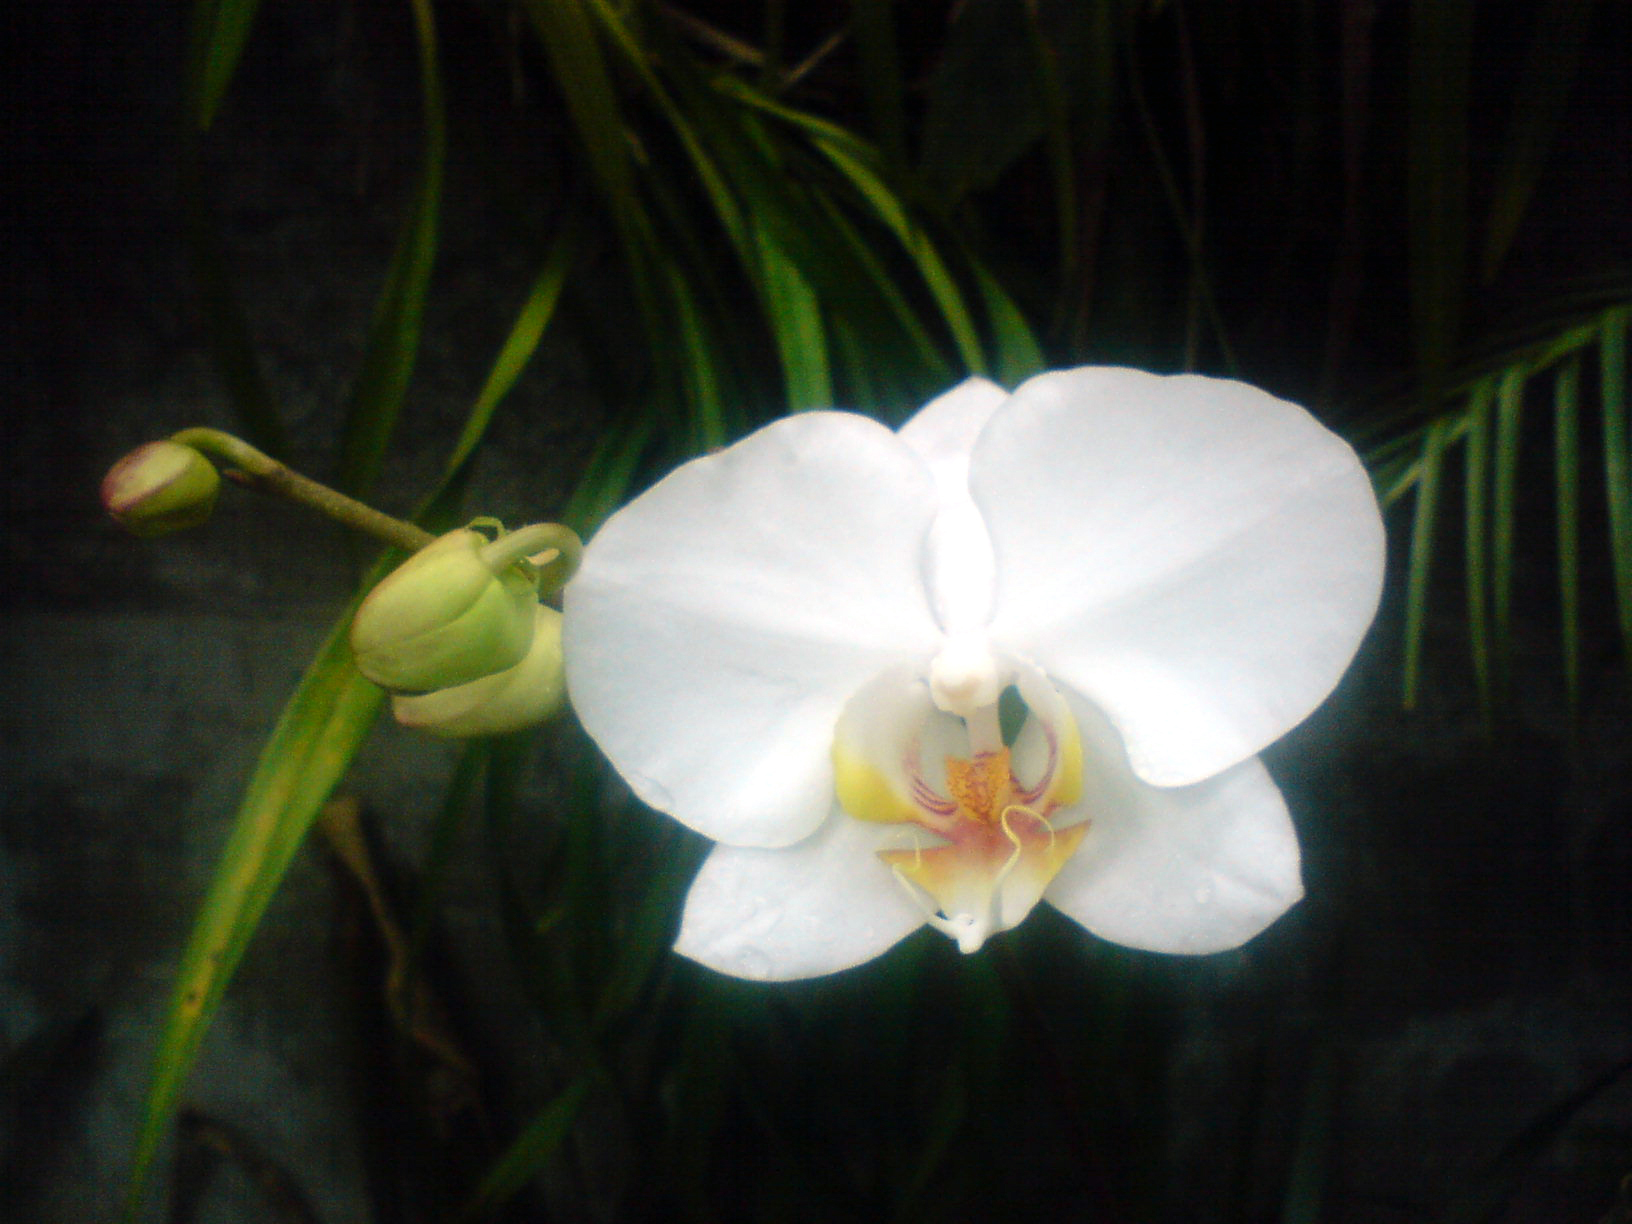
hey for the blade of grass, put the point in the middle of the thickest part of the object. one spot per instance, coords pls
(1311, 1163)
(699, 373)
(1504, 515)
(1476, 535)
(220, 29)
(1617, 460)
(1425, 516)
(608, 475)
(580, 73)
(518, 348)
(1555, 50)
(795, 315)
(393, 343)
(1016, 355)
(892, 212)
(310, 749)
(530, 1152)
(874, 27)
(1567, 485)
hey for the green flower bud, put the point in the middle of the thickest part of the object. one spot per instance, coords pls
(159, 488)
(525, 694)
(459, 609)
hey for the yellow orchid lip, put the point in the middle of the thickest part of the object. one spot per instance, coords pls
(996, 841)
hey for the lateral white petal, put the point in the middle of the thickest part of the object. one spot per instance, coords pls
(1188, 869)
(1193, 555)
(958, 556)
(822, 905)
(721, 620)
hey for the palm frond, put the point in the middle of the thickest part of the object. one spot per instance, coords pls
(1485, 415)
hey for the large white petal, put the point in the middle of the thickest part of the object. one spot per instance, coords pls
(1195, 556)
(822, 905)
(1186, 869)
(721, 620)
(958, 557)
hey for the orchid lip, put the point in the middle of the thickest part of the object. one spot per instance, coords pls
(996, 826)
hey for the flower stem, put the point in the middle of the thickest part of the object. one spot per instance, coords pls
(257, 470)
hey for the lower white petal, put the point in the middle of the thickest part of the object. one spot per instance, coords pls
(1190, 869)
(822, 905)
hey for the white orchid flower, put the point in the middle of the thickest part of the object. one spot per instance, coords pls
(798, 646)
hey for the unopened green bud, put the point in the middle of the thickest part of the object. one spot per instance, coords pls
(457, 610)
(511, 700)
(160, 487)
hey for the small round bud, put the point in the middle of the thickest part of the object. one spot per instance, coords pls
(446, 616)
(526, 694)
(160, 487)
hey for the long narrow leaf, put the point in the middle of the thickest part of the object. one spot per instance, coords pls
(1555, 49)
(580, 73)
(1016, 354)
(1618, 460)
(311, 748)
(948, 297)
(530, 1152)
(1567, 485)
(1476, 535)
(518, 349)
(795, 316)
(220, 30)
(1422, 548)
(393, 342)
(1504, 515)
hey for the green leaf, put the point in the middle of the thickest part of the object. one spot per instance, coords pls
(308, 753)
(393, 343)
(1567, 486)
(1555, 50)
(1422, 547)
(219, 31)
(527, 1154)
(518, 349)
(1476, 534)
(1016, 355)
(1618, 460)
(1504, 514)
(580, 72)
(889, 208)
(796, 321)
(874, 27)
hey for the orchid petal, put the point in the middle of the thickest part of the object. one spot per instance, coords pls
(958, 568)
(822, 905)
(1196, 557)
(1188, 869)
(889, 750)
(721, 620)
